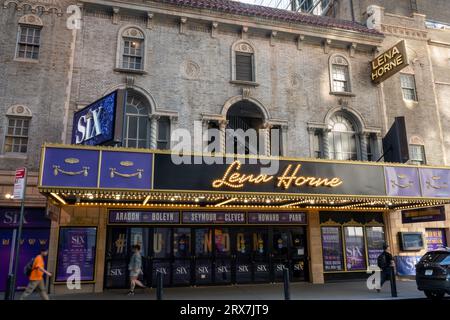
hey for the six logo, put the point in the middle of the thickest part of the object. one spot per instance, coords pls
(74, 21)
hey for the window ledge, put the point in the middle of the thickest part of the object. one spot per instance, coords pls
(130, 71)
(245, 83)
(26, 60)
(12, 155)
(410, 101)
(346, 94)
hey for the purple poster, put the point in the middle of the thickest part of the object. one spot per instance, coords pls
(436, 239)
(401, 181)
(32, 241)
(126, 170)
(32, 218)
(277, 218)
(143, 217)
(77, 249)
(406, 265)
(70, 168)
(435, 182)
(332, 249)
(375, 241)
(214, 217)
(354, 248)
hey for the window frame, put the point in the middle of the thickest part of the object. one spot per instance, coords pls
(169, 130)
(417, 161)
(331, 70)
(33, 45)
(412, 88)
(245, 47)
(137, 116)
(130, 33)
(14, 136)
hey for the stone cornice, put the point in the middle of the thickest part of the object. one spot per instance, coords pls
(339, 35)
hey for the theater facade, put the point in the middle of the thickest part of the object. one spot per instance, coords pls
(218, 219)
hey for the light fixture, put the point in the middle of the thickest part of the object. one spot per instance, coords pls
(117, 196)
(9, 196)
(146, 200)
(90, 196)
(245, 201)
(225, 202)
(57, 197)
(197, 200)
(268, 201)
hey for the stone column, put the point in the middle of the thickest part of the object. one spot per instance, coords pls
(326, 143)
(284, 140)
(315, 248)
(363, 139)
(379, 146)
(266, 149)
(222, 127)
(311, 132)
(153, 131)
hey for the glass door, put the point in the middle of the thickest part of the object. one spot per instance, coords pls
(280, 252)
(203, 255)
(161, 258)
(182, 253)
(298, 255)
(223, 257)
(260, 255)
(243, 266)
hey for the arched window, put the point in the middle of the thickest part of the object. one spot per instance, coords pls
(29, 37)
(131, 51)
(339, 74)
(243, 61)
(342, 137)
(136, 122)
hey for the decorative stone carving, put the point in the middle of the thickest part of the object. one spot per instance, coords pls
(246, 93)
(337, 59)
(19, 110)
(326, 46)
(272, 38)
(129, 81)
(244, 47)
(183, 21)
(214, 29)
(149, 20)
(295, 80)
(244, 32)
(191, 70)
(40, 6)
(115, 16)
(133, 33)
(31, 19)
(352, 49)
(300, 40)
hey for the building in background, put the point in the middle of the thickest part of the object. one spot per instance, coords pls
(239, 67)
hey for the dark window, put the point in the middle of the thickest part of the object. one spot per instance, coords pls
(408, 87)
(244, 66)
(163, 142)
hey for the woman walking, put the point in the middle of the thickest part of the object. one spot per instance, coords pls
(135, 268)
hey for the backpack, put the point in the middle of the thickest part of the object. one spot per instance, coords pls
(382, 261)
(28, 268)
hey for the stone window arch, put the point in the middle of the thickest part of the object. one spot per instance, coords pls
(243, 61)
(18, 118)
(343, 137)
(131, 49)
(340, 74)
(137, 121)
(29, 37)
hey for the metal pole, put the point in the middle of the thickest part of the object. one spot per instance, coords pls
(287, 293)
(159, 285)
(19, 236)
(10, 270)
(393, 283)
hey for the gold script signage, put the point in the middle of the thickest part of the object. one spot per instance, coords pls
(290, 177)
(389, 63)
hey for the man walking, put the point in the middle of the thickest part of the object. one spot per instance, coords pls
(385, 263)
(36, 278)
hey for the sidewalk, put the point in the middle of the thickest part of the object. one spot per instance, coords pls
(299, 291)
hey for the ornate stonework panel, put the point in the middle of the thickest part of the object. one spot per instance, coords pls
(19, 110)
(339, 60)
(31, 19)
(244, 47)
(295, 80)
(35, 6)
(133, 33)
(190, 69)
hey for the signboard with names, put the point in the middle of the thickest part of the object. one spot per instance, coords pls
(19, 183)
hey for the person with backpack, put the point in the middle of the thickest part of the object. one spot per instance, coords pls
(385, 263)
(35, 272)
(135, 268)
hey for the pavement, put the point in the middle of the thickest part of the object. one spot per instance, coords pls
(355, 290)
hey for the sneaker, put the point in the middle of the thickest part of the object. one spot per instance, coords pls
(131, 293)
